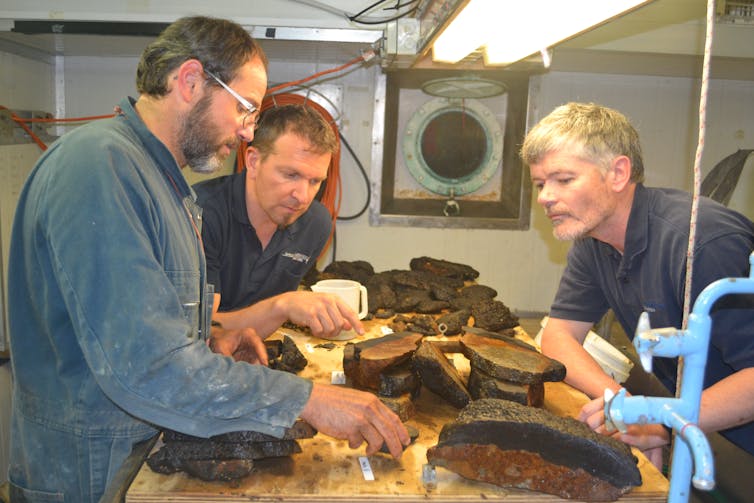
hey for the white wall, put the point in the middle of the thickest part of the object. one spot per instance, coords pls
(524, 266)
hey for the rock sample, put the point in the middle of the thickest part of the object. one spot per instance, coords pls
(511, 445)
(493, 315)
(510, 361)
(364, 362)
(506, 368)
(444, 268)
(438, 375)
(482, 385)
(224, 457)
(283, 354)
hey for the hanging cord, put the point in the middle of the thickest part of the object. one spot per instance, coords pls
(22, 124)
(365, 56)
(366, 182)
(354, 17)
(697, 177)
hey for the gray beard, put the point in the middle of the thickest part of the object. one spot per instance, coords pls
(200, 155)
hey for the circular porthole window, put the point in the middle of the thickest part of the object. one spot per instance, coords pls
(452, 146)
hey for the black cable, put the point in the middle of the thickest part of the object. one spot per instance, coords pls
(334, 245)
(399, 5)
(366, 180)
(375, 4)
(382, 21)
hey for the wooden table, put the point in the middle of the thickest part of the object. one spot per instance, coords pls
(328, 470)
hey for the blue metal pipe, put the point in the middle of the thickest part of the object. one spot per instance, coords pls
(682, 413)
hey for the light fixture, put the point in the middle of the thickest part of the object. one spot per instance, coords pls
(510, 30)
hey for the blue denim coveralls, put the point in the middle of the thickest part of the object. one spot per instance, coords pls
(107, 317)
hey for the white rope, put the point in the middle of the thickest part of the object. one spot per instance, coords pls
(697, 174)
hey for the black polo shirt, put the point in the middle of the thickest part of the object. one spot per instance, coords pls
(240, 270)
(650, 276)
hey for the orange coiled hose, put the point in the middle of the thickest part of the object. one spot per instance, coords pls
(332, 195)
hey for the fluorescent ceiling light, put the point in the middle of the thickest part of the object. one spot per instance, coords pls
(510, 30)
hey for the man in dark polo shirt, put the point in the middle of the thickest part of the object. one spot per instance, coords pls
(629, 255)
(263, 229)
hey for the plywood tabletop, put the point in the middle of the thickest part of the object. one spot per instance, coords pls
(328, 470)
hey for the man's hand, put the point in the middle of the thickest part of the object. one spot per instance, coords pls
(242, 345)
(325, 314)
(355, 416)
(648, 438)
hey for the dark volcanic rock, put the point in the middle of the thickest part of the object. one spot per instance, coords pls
(431, 306)
(285, 355)
(224, 470)
(443, 292)
(493, 315)
(381, 293)
(406, 299)
(358, 270)
(482, 385)
(510, 362)
(453, 322)
(477, 292)
(420, 323)
(300, 429)
(438, 375)
(511, 445)
(174, 456)
(399, 381)
(444, 268)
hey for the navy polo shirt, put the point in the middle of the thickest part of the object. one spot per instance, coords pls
(650, 276)
(240, 270)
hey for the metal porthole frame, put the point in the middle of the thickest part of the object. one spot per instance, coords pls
(426, 176)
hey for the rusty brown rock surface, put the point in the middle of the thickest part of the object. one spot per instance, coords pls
(510, 361)
(363, 362)
(558, 455)
(523, 470)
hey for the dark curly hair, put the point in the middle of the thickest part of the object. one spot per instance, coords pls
(221, 46)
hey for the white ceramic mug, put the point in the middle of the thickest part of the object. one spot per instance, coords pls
(352, 292)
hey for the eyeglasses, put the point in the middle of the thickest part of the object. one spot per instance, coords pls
(249, 120)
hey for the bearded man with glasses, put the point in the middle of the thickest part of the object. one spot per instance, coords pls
(110, 313)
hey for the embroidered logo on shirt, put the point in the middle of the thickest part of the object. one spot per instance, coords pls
(652, 307)
(298, 257)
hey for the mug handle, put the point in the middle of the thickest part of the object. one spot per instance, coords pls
(364, 306)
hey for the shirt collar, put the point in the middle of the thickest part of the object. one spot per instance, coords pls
(638, 226)
(157, 149)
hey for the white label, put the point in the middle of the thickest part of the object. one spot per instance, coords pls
(338, 377)
(309, 348)
(366, 468)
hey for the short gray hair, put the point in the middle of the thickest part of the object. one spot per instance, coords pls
(589, 131)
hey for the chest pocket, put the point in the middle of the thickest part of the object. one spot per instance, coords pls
(186, 285)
